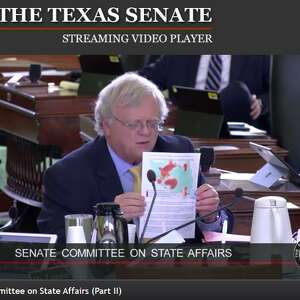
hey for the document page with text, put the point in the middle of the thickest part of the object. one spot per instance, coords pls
(176, 183)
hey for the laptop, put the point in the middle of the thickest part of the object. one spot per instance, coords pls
(34, 238)
(97, 72)
(272, 158)
(199, 113)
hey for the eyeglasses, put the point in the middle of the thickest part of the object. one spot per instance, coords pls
(138, 124)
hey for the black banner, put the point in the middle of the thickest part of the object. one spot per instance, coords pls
(196, 261)
(138, 27)
(151, 289)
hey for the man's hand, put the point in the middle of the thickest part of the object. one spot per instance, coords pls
(131, 204)
(256, 107)
(207, 200)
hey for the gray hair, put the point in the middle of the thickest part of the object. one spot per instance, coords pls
(128, 90)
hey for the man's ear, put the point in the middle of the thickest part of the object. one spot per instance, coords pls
(105, 127)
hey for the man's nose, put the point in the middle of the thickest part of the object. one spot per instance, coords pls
(144, 129)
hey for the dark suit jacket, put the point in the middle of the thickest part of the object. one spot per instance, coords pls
(86, 177)
(253, 70)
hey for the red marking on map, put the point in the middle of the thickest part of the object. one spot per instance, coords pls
(165, 171)
(172, 182)
(185, 167)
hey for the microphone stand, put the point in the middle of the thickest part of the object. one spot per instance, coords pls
(150, 210)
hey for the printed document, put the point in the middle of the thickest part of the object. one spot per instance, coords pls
(176, 183)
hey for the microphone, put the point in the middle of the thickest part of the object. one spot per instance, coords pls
(151, 176)
(238, 195)
(35, 72)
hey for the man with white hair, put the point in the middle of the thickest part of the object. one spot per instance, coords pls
(128, 114)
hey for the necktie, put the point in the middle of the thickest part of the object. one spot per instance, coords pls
(136, 172)
(214, 73)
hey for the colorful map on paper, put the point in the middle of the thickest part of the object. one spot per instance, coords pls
(176, 183)
(173, 175)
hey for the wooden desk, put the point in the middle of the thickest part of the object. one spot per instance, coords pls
(13, 63)
(42, 123)
(44, 115)
(243, 210)
(242, 160)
